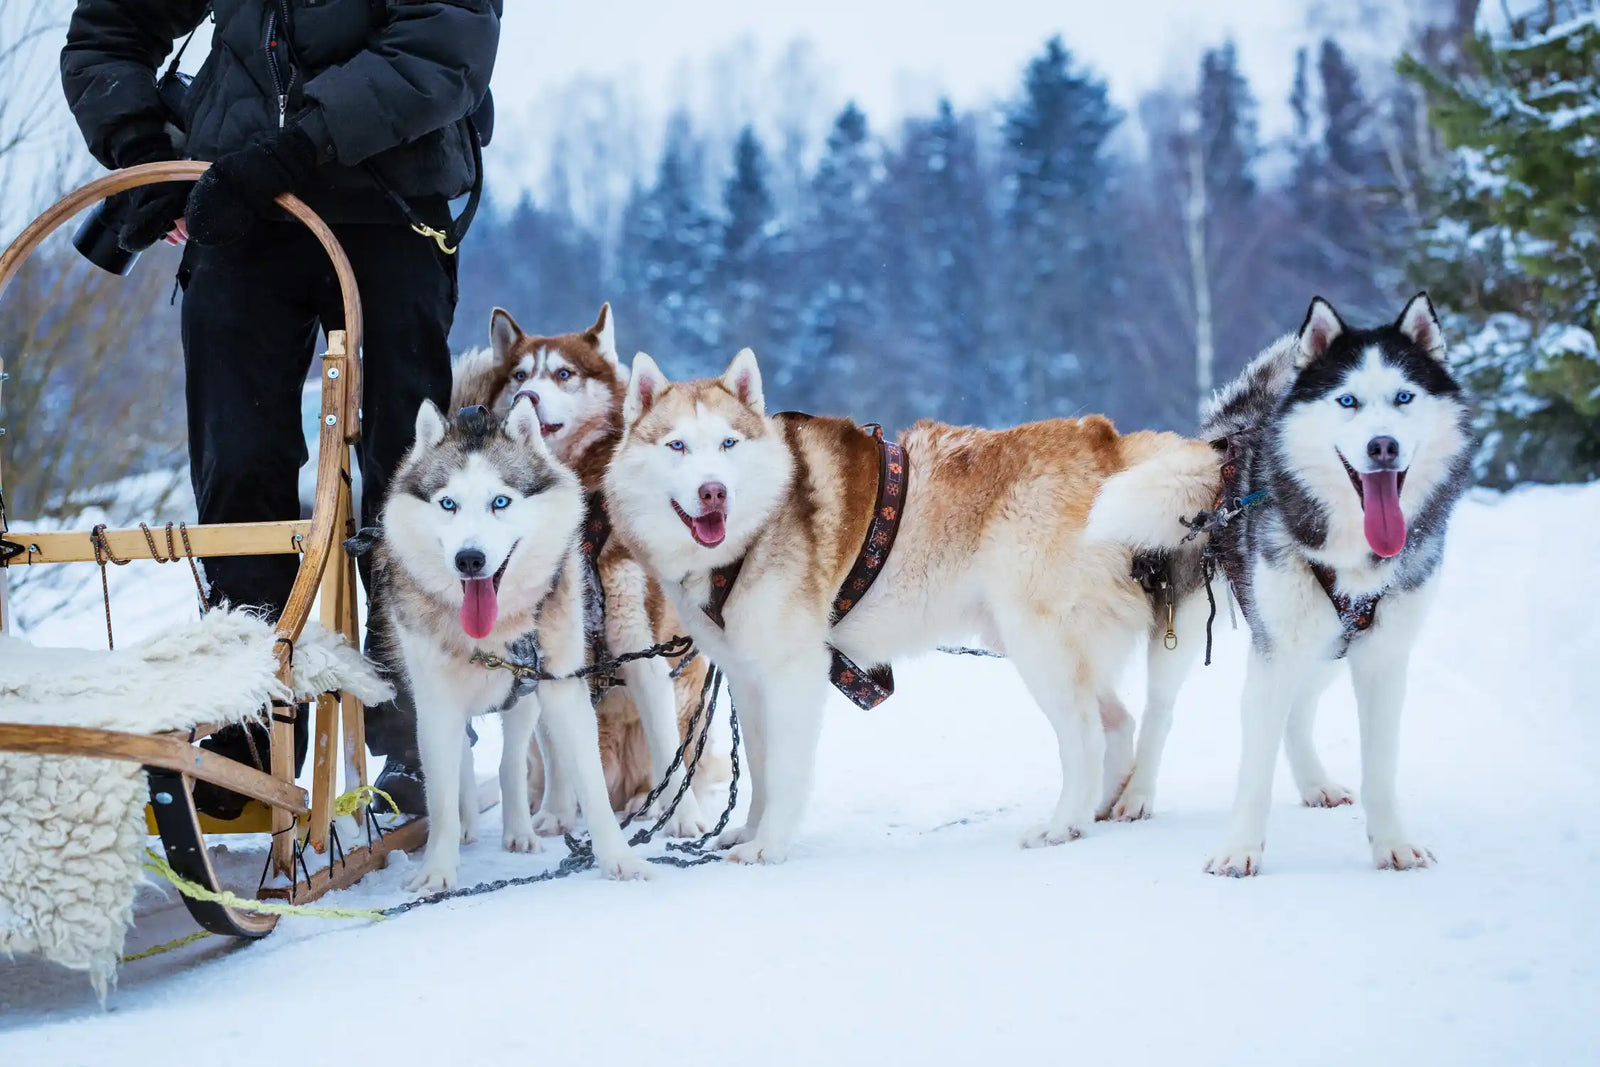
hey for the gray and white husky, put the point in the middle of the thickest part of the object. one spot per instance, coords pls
(1348, 449)
(479, 553)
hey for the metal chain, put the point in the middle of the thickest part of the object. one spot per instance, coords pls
(963, 650)
(673, 646)
(581, 852)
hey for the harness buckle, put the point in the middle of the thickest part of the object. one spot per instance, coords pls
(439, 237)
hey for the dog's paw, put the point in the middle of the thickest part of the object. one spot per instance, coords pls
(555, 823)
(1047, 834)
(1326, 795)
(624, 868)
(1241, 862)
(1401, 856)
(686, 823)
(752, 852)
(1131, 807)
(434, 878)
(522, 840)
(469, 834)
(731, 838)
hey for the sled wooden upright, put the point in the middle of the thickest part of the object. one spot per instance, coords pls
(173, 761)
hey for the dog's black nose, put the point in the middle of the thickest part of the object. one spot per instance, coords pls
(1384, 451)
(713, 495)
(470, 563)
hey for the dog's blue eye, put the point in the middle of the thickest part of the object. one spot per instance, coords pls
(1404, 396)
(500, 503)
(1347, 401)
(446, 503)
(677, 446)
(563, 374)
(729, 442)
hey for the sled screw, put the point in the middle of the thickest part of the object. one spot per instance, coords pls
(163, 798)
(331, 420)
(333, 372)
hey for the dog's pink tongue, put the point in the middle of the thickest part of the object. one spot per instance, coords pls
(1385, 525)
(479, 608)
(710, 529)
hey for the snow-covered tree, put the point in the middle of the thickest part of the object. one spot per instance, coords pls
(1514, 254)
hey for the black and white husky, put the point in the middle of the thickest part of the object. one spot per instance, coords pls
(479, 554)
(1346, 450)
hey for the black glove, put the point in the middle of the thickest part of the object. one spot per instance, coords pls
(242, 186)
(148, 213)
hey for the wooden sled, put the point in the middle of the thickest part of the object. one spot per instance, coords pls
(172, 761)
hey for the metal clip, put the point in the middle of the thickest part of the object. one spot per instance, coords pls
(438, 236)
(1172, 633)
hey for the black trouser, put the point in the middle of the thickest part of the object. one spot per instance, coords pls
(251, 315)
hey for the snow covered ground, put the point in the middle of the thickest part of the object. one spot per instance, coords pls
(908, 927)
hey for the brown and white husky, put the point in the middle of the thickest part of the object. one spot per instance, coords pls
(577, 383)
(991, 540)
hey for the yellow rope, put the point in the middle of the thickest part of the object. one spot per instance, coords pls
(158, 865)
(358, 798)
(198, 935)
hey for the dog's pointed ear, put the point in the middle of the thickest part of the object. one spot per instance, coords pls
(743, 380)
(522, 423)
(645, 385)
(430, 424)
(1420, 323)
(603, 334)
(503, 333)
(1318, 332)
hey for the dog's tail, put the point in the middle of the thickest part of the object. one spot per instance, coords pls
(475, 378)
(1167, 478)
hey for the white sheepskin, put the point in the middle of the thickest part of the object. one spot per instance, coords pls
(72, 831)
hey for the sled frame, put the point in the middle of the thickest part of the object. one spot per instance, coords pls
(172, 762)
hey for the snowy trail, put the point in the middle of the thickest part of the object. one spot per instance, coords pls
(909, 927)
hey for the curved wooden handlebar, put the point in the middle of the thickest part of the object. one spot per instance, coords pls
(187, 171)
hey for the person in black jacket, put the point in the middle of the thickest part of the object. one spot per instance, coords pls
(362, 108)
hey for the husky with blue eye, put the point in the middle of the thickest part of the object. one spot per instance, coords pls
(479, 555)
(1344, 451)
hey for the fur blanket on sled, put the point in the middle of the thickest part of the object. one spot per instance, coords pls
(72, 829)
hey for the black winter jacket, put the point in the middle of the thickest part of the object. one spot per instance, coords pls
(385, 84)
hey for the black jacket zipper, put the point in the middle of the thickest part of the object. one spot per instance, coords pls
(278, 22)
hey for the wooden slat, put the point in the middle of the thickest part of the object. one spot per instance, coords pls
(156, 751)
(225, 539)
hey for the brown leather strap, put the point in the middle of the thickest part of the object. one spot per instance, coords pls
(1356, 614)
(869, 688)
(596, 527)
(722, 580)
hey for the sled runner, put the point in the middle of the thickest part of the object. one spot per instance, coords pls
(298, 820)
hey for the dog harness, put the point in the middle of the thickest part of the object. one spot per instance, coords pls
(1356, 614)
(865, 688)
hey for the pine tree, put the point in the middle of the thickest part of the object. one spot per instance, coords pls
(1057, 229)
(748, 256)
(670, 246)
(936, 211)
(840, 273)
(1515, 249)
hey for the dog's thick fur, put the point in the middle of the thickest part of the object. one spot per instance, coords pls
(1304, 418)
(485, 488)
(992, 539)
(577, 385)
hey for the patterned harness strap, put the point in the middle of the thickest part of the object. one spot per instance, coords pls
(865, 688)
(596, 532)
(1356, 614)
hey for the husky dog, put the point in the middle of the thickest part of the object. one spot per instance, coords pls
(576, 383)
(479, 554)
(1349, 448)
(990, 538)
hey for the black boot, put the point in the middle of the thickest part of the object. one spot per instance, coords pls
(401, 778)
(251, 745)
